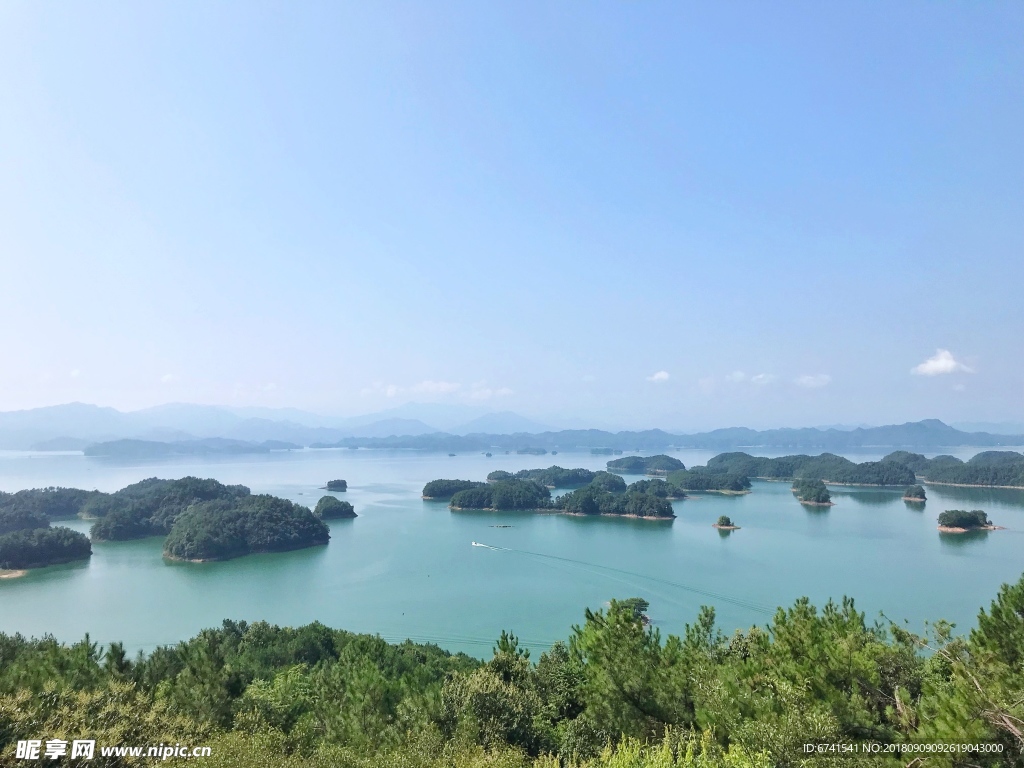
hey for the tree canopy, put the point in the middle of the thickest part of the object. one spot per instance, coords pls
(222, 529)
(812, 492)
(445, 489)
(330, 508)
(337, 485)
(960, 518)
(36, 547)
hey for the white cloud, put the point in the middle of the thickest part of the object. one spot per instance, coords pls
(659, 377)
(269, 387)
(939, 363)
(736, 377)
(812, 381)
(75, 373)
(763, 378)
(436, 387)
(167, 377)
(391, 390)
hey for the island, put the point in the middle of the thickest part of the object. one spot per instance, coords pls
(812, 493)
(41, 546)
(606, 494)
(725, 524)
(914, 495)
(645, 465)
(706, 480)
(988, 469)
(228, 528)
(330, 508)
(961, 521)
(336, 485)
(826, 467)
(150, 507)
(445, 489)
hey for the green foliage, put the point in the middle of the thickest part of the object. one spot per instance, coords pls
(592, 500)
(617, 695)
(36, 547)
(472, 498)
(606, 481)
(990, 468)
(827, 466)
(915, 492)
(19, 518)
(649, 465)
(218, 530)
(960, 518)
(700, 479)
(330, 508)
(812, 492)
(51, 503)
(445, 489)
(725, 521)
(499, 474)
(337, 485)
(553, 477)
(519, 494)
(150, 507)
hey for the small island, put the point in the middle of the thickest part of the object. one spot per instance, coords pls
(962, 521)
(336, 485)
(812, 493)
(330, 508)
(38, 547)
(221, 530)
(725, 524)
(645, 465)
(914, 495)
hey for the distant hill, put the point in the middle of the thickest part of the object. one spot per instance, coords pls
(503, 423)
(147, 449)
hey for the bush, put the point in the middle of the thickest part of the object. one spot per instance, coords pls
(725, 521)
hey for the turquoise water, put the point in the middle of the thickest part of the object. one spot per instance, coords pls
(406, 568)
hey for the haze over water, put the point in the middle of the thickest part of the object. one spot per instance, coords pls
(405, 568)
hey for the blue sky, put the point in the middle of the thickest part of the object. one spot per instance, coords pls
(685, 215)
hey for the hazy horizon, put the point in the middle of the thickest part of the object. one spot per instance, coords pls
(648, 215)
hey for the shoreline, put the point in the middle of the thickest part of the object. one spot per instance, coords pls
(13, 574)
(722, 491)
(953, 529)
(725, 527)
(912, 500)
(177, 559)
(817, 503)
(559, 512)
(974, 485)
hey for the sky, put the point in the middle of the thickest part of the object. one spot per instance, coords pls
(681, 214)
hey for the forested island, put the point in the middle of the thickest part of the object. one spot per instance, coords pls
(645, 465)
(336, 485)
(227, 528)
(725, 523)
(41, 546)
(330, 508)
(604, 494)
(990, 469)
(962, 521)
(615, 694)
(813, 493)
(26, 538)
(202, 519)
(915, 494)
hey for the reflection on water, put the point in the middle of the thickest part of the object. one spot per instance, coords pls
(978, 497)
(874, 498)
(956, 541)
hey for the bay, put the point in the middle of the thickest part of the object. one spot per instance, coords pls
(405, 568)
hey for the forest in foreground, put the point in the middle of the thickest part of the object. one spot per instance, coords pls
(615, 694)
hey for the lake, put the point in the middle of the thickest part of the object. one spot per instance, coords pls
(405, 568)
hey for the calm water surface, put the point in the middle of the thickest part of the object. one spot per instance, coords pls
(405, 567)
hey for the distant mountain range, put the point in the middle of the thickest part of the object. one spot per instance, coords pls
(76, 425)
(189, 429)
